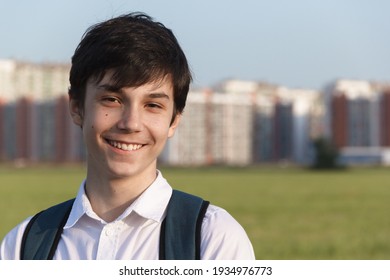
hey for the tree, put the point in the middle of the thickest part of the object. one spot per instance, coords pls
(326, 155)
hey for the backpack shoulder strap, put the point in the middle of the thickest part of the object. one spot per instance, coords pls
(43, 232)
(181, 229)
(179, 237)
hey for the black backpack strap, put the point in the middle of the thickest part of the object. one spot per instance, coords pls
(181, 229)
(43, 232)
(179, 238)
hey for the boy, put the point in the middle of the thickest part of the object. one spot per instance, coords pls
(128, 86)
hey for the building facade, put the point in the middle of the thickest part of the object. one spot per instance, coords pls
(359, 115)
(236, 123)
(265, 124)
(37, 81)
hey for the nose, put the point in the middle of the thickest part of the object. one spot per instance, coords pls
(130, 120)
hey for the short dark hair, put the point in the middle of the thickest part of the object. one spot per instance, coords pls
(137, 49)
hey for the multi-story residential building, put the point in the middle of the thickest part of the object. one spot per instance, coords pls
(236, 127)
(215, 129)
(237, 123)
(307, 122)
(359, 118)
(38, 81)
(39, 131)
(286, 122)
(355, 114)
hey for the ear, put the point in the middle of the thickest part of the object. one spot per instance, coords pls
(75, 112)
(174, 125)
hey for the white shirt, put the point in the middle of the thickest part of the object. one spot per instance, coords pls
(134, 235)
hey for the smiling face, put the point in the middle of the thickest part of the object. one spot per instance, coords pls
(125, 129)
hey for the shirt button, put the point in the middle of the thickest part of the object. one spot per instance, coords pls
(108, 232)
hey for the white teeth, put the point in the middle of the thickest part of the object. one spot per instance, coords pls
(125, 147)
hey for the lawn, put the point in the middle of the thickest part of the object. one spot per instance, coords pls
(288, 213)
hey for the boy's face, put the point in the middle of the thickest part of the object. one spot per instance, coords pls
(125, 129)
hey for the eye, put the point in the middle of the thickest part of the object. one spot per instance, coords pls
(154, 106)
(110, 100)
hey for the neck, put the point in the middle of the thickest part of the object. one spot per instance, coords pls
(109, 197)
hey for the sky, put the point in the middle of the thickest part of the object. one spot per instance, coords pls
(294, 43)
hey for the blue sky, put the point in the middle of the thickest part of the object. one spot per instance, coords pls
(302, 43)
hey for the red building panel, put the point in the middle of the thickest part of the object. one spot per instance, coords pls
(339, 121)
(23, 128)
(385, 119)
(62, 129)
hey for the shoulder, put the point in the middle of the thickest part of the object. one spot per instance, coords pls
(10, 246)
(223, 237)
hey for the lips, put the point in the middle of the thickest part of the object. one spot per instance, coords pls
(124, 146)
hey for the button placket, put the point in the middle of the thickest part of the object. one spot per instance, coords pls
(108, 241)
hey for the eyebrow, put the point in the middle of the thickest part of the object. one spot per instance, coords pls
(159, 95)
(116, 89)
(110, 88)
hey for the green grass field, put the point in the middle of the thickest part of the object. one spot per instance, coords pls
(288, 213)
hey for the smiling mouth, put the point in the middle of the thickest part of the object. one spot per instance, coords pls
(124, 146)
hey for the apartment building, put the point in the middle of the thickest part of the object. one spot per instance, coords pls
(265, 123)
(39, 131)
(359, 115)
(215, 129)
(38, 81)
(237, 123)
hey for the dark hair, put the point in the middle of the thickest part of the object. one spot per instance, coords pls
(137, 49)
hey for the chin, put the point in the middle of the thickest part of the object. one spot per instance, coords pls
(123, 173)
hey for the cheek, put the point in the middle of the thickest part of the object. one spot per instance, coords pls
(101, 119)
(159, 131)
(93, 124)
(159, 122)
(162, 128)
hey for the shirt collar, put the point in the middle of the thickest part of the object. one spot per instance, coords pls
(151, 204)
